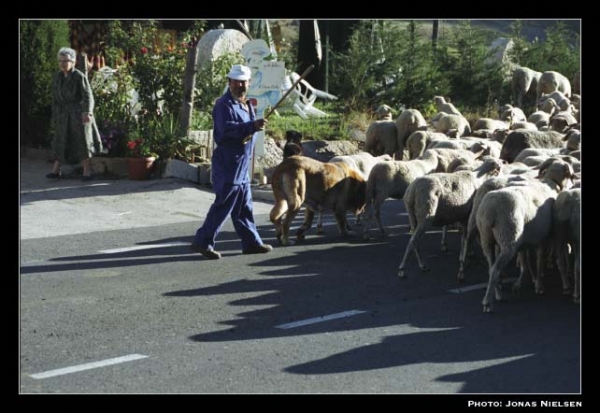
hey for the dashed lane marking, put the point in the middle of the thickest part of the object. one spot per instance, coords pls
(87, 366)
(319, 319)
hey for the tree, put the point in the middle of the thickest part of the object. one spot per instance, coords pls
(40, 41)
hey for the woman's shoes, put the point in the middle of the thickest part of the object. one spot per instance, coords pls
(52, 175)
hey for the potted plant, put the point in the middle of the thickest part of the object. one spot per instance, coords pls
(140, 157)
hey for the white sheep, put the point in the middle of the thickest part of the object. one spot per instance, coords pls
(524, 82)
(558, 97)
(361, 162)
(491, 184)
(517, 216)
(523, 125)
(567, 231)
(383, 112)
(539, 116)
(409, 121)
(390, 180)
(442, 199)
(489, 123)
(512, 115)
(520, 139)
(419, 140)
(447, 155)
(443, 106)
(381, 138)
(444, 122)
(550, 81)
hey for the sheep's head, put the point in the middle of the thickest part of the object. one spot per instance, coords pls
(557, 171)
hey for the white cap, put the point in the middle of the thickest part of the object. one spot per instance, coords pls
(239, 72)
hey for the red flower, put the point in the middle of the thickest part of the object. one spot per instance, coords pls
(144, 50)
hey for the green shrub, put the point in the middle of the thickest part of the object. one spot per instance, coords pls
(40, 41)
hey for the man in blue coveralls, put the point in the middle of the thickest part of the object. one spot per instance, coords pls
(235, 125)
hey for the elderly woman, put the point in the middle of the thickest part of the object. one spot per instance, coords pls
(72, 106)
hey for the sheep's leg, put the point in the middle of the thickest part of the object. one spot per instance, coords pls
(494, 282)
(444, 245)
(523, 264)
(540, 261)
(369, 216)
(358, 218)
(320, 223)
(309, 216)
(377, 206)
(467, 239)
(562, 259)
(413, 245)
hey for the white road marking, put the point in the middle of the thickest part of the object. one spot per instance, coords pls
(143, 247)
(125, 213)
(319, 319)
(478, 286)
(87, 366)
(61, 188)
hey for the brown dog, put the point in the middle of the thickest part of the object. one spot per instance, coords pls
(322, 186)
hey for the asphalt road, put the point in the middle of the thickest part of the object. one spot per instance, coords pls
(113, 301)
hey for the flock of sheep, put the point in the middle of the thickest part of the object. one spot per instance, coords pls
(513, 182)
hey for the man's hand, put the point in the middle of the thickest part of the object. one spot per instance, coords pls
(260, 124)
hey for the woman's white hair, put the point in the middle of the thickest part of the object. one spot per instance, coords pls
(68, 52)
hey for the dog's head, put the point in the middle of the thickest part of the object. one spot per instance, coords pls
(293, 136)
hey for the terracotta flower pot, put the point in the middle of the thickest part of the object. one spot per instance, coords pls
(139, 168)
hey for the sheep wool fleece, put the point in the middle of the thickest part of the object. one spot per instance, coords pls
(230, 164)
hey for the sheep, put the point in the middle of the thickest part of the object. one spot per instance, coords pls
(550, 81)
(562, 121)
(526, 153)
(491, 148)
(573, 139)
(381, 138)
(539, 116)
(409, 121)
(524, 82)
(566, 226)
(390, 179)
(443, 106)
(514, 217)
(443, 122)
(500, 135)
(513, 115)
(489, 123)
(383, 112)
(558, 97)
(520, 139)
(523, 125)
(442, 199)
(447, 155)
(491, 184)
(361, 162)
(419, 140)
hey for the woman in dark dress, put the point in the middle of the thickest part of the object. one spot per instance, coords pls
(72, 107)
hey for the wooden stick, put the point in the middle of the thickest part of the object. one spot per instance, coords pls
(304, 74)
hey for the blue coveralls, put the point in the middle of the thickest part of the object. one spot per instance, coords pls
(230, 163)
